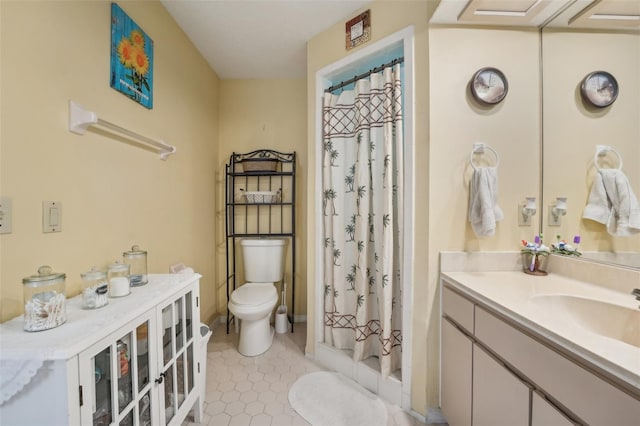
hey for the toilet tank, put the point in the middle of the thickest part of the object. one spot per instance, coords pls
(263, 259)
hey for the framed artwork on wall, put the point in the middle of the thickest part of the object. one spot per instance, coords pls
(131, 58)
(358, 30)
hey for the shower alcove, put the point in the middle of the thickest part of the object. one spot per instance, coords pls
(396, 388)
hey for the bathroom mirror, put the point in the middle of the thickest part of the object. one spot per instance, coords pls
(586, 37)
(577, 37)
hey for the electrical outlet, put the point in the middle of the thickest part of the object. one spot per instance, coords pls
(523, 220)
(5, 215)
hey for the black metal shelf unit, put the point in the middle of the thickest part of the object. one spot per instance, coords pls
(260, 172)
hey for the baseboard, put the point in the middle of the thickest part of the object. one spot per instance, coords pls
(417, 416)
(221, 320)
(300, 318)
(434, 416)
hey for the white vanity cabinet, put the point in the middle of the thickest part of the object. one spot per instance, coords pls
(597, 403)
(513, 378)
(133, 362)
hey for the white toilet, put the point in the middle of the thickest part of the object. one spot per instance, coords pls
(253, 302)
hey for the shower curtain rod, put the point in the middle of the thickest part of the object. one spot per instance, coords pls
(363, 75)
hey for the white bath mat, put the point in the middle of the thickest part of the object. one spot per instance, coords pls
(330, 399)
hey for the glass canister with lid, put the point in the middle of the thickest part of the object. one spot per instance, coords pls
(44, 300)
(94, 289)
(137, 259)
(118, 276)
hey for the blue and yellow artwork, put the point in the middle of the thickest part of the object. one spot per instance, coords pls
(131, 58)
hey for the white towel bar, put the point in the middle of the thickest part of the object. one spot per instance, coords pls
(478, 148)
(80, 119)
(601, 151)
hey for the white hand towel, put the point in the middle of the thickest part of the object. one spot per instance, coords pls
(598, 207)
(483, 201)
(613, 203)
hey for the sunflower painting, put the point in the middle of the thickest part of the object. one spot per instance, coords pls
(131, 58)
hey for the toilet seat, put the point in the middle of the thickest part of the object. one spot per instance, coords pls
(254, 294)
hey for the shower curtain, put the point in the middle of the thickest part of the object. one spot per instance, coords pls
(362, 217)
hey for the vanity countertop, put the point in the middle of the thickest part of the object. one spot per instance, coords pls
(539, 304)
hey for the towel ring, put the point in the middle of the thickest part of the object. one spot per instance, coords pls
(479, 148)
(601, 151)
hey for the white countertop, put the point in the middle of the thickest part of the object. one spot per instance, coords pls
(86, 326)
(511, 293)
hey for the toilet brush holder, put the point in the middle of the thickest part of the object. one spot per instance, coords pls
(282, 322)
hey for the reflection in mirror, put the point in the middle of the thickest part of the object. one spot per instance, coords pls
(600, 36)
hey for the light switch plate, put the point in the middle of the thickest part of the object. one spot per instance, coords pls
(51, 216)
(5, 215)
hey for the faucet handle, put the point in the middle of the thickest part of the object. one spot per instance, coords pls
(636, 292)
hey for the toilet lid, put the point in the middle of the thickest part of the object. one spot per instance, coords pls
(254, 294)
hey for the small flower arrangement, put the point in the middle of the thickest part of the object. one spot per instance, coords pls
(536, 247)
(562, 247)
(534, 256)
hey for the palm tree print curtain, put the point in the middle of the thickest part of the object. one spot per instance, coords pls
(362, 199)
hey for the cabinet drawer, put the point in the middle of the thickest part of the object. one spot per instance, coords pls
(457, 308)
(589, 397)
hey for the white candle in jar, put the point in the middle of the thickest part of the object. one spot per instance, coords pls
(119, 286)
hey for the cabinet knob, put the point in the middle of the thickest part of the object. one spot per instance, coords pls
(161, 378)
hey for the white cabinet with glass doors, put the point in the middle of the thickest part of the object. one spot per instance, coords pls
(138, 361)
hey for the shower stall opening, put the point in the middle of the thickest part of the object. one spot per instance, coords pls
(362, 217)
(364, 220)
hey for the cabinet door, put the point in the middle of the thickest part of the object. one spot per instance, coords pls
(499, 397)
(115, 376)
(545, 414)
(178, 357)
(456, 366)
(586, 395)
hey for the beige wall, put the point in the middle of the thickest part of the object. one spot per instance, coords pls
(263, 114)
(113, 194)
(511, 128)
(387, 17)
(572, 131)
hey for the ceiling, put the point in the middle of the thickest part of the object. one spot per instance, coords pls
(576, 14)
(245, 39)
(266, 39)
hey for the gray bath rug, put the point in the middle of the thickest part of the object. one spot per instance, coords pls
(330, 399)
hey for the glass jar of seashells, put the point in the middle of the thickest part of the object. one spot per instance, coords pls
(44, 300)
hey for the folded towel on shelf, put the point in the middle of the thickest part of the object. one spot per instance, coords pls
(484, 211)
(613, 203)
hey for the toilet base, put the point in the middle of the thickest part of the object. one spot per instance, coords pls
(256, 337)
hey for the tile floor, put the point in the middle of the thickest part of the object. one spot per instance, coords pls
(254, 391)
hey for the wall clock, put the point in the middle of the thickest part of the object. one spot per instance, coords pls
(489, 86)
(599, 89)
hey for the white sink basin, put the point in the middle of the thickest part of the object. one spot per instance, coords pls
(617, 322)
